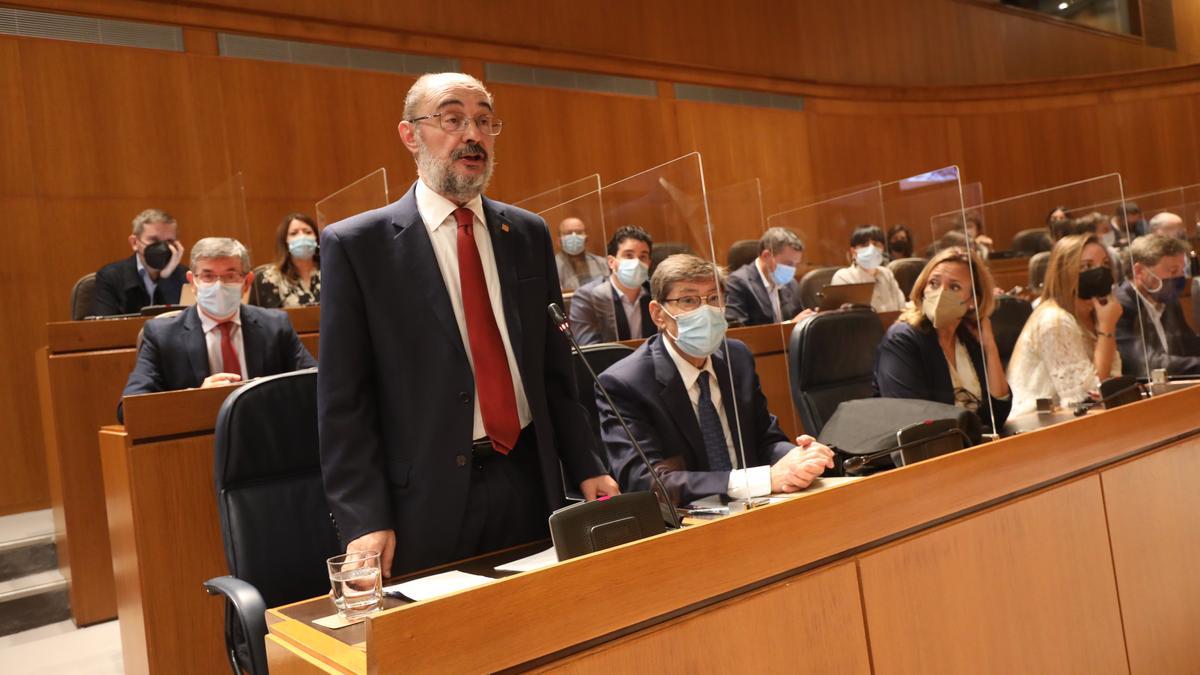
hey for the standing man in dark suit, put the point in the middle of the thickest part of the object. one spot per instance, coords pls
(151, 276)
(693, 401)
(446, 398)
(1156, 334)
(617, 307)
(767, 292)
(218, 340)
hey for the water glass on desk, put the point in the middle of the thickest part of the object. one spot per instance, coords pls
(357, 583)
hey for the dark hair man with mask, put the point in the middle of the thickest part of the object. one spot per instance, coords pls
(617, 306)
(151, 276)
(1156, 284)
(692, 400)
(218, 340)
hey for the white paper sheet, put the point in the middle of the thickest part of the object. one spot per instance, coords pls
(530, 562)
(437, 585)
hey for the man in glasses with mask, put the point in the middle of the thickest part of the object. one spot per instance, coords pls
(151, 276)
(1156, 284)
(767, 291)
(617, 307)
(218, 340)
(692, 400)
(576, 265)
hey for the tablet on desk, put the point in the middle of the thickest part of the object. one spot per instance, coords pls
(833, 297)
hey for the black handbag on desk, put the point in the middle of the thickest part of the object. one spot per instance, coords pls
(873, 429)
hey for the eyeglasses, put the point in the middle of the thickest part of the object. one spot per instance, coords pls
(456, 122)
(690, 303)
(227, 278)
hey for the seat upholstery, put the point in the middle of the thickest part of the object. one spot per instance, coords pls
(741, 253)
(906, 271)
(599, 357)
(812, 283)
(661, 251)
(82, 295)
(1008, 318)
(831, 358)
(1031, 241)
(1037, 270)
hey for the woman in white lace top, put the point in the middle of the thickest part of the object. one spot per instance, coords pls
(1069, 343)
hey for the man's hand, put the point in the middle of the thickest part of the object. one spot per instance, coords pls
(800, 467)
(383, 541)
(599, 486)
(220, 379)
(176, 256)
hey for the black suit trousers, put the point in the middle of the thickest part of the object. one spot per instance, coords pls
(506, 504)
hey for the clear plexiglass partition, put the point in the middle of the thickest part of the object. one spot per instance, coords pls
(737, 215)
(364, 194)
(580, 240)
(559, 194)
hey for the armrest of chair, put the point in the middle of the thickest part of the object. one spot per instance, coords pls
(251, 610)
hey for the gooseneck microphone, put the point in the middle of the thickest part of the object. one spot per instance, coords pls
(856, 463)
(660, 490)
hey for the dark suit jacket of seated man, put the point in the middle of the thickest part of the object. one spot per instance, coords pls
(749, 289)
(598, 314)
(153, 275)
(1142, 349)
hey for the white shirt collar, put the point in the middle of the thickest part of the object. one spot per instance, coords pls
(436, 209)
(1156, 311)
(208, 324)
(687, 371)
(768, 281)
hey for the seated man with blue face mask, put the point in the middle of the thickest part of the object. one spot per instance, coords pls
(576, 265)
(1156, 284)
(767, 291)
(693, 401)
(617, 306)
(218, 340)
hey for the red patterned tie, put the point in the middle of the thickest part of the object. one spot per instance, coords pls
(229, 355)
(493, 379)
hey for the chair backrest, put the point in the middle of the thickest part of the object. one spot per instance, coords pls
(1008, 318)
(906, 271)
(1033, 240)
(812, 283)
(741, 253)
(1196, 304)
(831, 358)
(599, 357)
(662, 250)
(137, 344)
(267, 469)
(1037, 270)
(82, 295)
(252, 294)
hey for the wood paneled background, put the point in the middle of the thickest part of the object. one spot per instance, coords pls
(93, 134)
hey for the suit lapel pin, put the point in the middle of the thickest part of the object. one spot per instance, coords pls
(504, 227)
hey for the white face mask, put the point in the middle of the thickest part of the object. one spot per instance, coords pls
(218, 300)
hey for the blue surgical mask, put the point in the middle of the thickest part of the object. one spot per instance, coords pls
(218, 300)
(869, 257)
(700, 331)
(631, 272)
(783, 274)
(303, 248)
(572, 244)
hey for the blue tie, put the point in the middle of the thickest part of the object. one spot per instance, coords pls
(710, 428)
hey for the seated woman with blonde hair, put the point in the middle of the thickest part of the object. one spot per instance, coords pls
(1069, 343)
(942, 348)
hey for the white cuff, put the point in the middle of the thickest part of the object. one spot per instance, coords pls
(757, 478)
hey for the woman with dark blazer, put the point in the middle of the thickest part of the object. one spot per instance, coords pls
(942, 348)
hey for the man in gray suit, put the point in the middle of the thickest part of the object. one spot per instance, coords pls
(617, 306)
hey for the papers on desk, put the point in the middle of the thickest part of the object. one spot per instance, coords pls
(436, 585)
(530, 562)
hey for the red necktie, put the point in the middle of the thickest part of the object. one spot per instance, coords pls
(493, 379)
(229, 355)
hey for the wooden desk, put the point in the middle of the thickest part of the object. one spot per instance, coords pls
(1068, 549)
(81, 373)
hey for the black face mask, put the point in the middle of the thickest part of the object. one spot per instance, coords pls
(157, 255)
(1095, 283)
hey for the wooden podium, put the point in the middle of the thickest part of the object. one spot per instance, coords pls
(81, 373)
(1067, 549)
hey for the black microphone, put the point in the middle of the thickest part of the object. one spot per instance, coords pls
(660, 490)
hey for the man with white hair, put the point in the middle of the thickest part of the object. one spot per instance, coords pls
(447, 400)
(218, 340)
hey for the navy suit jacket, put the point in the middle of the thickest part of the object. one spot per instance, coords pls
(747, 302)
(395, 388)
(174, 354)
(119, 288)
(648, 390)
(910, 364)
(1182, 356)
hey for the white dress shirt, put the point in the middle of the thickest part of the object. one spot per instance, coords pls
(1155, 313)
(437, 213)
(887, 296)
(743, 483)
(633, 310)
(772, 290)
(212, 340)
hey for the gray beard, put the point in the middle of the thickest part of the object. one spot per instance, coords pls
(439, 175)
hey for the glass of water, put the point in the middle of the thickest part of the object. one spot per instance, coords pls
(357, 583)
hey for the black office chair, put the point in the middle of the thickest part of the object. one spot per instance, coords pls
(82, 295)
(742, 252)
(662, 251)
(1008, 318)
(599, 357)
(812, 283)
(1196, 303)
(831, 358)
(252, 297)
(274, 518)
(1037, 271)
(906, 271)
(1031, 241)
